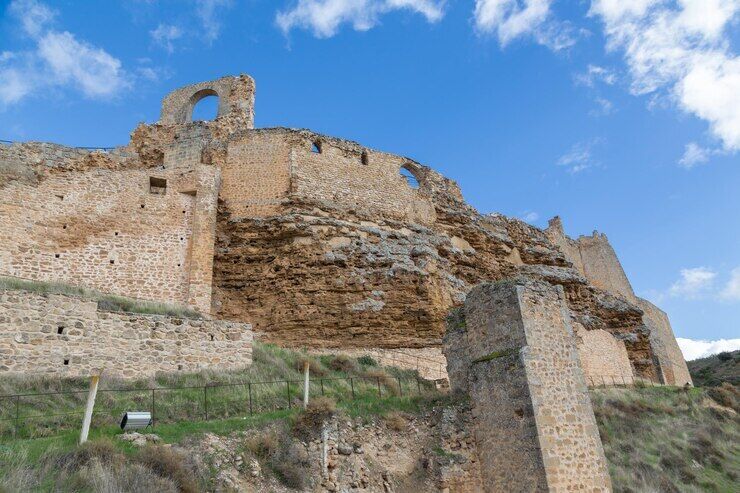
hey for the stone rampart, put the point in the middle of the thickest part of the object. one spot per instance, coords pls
(516, 357)
(671, 364)
(67, 335)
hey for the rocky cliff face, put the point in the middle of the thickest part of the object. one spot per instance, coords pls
(319, 275)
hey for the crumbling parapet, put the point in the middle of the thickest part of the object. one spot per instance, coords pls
(512, 349)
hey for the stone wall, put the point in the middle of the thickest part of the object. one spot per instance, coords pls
(65, 335)
(532, 415)
(603, 358)
(672, 366)
(429, 362)
(101, 222)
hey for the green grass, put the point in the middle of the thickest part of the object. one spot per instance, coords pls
(670, 440)
(182, 396)
(31, 458)
(106, 302)
(716, 369)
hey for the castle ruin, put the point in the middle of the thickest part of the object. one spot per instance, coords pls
(315, 241)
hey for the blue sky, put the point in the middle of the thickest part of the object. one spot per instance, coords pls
(621, 116)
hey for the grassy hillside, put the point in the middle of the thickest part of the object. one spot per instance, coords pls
(670, 440)
(716, 369)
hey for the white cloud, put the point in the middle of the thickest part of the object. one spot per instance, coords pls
(694, 155)
(511, 19)
(207, 13)
(695, 349)
(579, 158)
(595, 74)
(693, 283)
(324, 17)
(530, 217)
(33, 16)
(59, 59)
(165, 35)
(731, 291)
(680, 48)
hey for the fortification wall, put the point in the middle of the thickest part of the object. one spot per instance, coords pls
(69, 336)
(672, 366)
(256, 173)
(354, 177)
(603, 357)
(92, 220)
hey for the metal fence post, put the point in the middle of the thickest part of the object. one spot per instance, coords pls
(17, 415)
(249, 388)
(205, 400)
(418, 385)
(322, 385)
(287, 386)
(380, 392)
(352, 384)
(152, 408)
(400, 389)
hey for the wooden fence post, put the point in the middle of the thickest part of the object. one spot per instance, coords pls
(89, 408)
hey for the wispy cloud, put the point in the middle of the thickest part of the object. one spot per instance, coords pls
(694, 155)
(680, 49)
(695, 349)
(529, 216)
(208, 13)
(693, 283)
(579, 157)
(595, 74)
(731, 291)
(165, 35)
(58, 59)
(512, 19)
(324, 17)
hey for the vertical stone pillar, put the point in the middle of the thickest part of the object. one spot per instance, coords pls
(533, 421)
(203, 238)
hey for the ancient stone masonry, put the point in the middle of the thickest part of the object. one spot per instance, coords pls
(514, 354)
(316, 241)
(67, 335)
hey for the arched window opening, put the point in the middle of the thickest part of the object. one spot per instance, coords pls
(410, 178)
(206, 109)
(365, 159)
(316, 147)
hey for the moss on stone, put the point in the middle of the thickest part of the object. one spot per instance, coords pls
(496, 354)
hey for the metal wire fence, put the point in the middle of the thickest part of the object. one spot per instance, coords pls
(36, 415)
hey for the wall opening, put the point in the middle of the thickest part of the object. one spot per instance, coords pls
(157, 185)
(60, 330)
(316, 147)
(410, 177)
(66, 362)
(364, 158)
(204, 106)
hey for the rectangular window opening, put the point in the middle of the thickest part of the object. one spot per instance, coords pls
(157, 185)
(66, 362)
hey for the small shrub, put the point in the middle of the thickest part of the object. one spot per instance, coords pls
(343, 363)
(102, 450)
(379, 375)
(314, 366)
(309, 421)
(367, 360)
(169, 464)
(726, 395)
(291, 475)
(396, 421)
(263, 445)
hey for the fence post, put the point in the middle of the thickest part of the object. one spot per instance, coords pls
(287, 386)
(322, 385)
(400, 389)
(89, 408)
(352, 384)
(306, 367)
(249, 387)
(152, 408)
(17, 415)
(205, 400)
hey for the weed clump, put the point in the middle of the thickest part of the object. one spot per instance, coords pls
(315, 368)
(342, 363)
(308, 423)
(367, 360)
(396, 421)
(167, 463)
